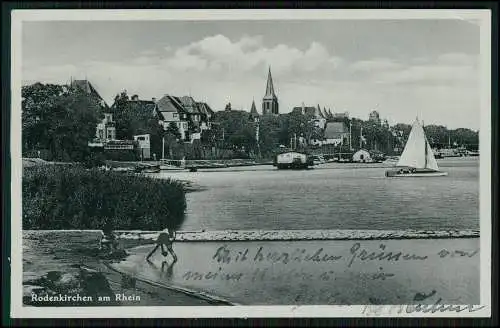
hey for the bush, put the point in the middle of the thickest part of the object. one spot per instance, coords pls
(94, 159)
(58, 197)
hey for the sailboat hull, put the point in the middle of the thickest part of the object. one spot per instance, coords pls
(418, 174)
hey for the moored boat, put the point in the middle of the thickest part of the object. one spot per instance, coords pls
(417, 159)
(293, 160)
(147, 168)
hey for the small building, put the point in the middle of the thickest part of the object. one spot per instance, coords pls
(336, 133)
(362, 156)
(106, 129)
(143, 145)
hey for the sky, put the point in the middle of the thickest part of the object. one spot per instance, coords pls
(401, 68)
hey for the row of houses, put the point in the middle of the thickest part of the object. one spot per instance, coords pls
(189, 116)
(334, 126)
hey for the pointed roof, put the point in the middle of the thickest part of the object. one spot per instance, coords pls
(189, 104)
(204, 108)
(317, 112)
(253, 110)
(325, 114)
(269, 87)
(169, 104)
(88, 88)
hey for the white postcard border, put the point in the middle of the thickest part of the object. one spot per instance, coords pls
(480, 17)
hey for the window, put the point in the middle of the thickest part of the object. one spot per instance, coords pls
(141, 138)
(175, 115)
(101, 134)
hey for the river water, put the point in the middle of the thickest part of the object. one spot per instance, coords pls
(332, 196)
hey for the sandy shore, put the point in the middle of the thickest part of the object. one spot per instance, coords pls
(53, 264)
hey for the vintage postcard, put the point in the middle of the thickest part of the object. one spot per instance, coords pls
(251, 163)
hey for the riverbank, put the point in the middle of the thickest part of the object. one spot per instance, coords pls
(169, 165)
(300, 235)
(69, 263)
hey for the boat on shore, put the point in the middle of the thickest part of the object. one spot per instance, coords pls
(293, 160)
(318, 159)
(147, 168)
(417, 159)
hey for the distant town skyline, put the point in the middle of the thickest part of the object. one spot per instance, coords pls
(401, 68)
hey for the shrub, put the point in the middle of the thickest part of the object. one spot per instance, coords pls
(58, 197)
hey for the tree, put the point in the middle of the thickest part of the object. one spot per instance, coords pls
(237, 131)
(171, 135)
(298, 125)
(59, 119)
(135, 118)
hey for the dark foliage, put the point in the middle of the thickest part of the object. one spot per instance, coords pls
(57, 197)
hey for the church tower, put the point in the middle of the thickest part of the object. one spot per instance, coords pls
(270, 101)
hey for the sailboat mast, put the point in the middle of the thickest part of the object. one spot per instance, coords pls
(425, 144)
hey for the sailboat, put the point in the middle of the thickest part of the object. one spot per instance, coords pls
(417, 159)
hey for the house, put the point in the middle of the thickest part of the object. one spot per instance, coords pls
(315, 115)
(362, 156)
(106, 129)
(336, 133)
(141, 105)
(86, 87)
(206, 115)
(340, 116)
(189, 116)
(134, 104)
(170, 110)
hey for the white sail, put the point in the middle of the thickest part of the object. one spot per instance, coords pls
(414, 153)
(431, 160)
(417, 153)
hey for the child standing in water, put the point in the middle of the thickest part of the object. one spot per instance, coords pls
(108, 238)
(165, 239)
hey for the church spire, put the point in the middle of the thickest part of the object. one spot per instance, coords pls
(270, 101)
(253, 110)
(270, 86)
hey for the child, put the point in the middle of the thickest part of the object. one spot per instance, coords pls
(164, 239)
(108, 239)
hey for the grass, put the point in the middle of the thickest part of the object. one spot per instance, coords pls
(64, 197)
